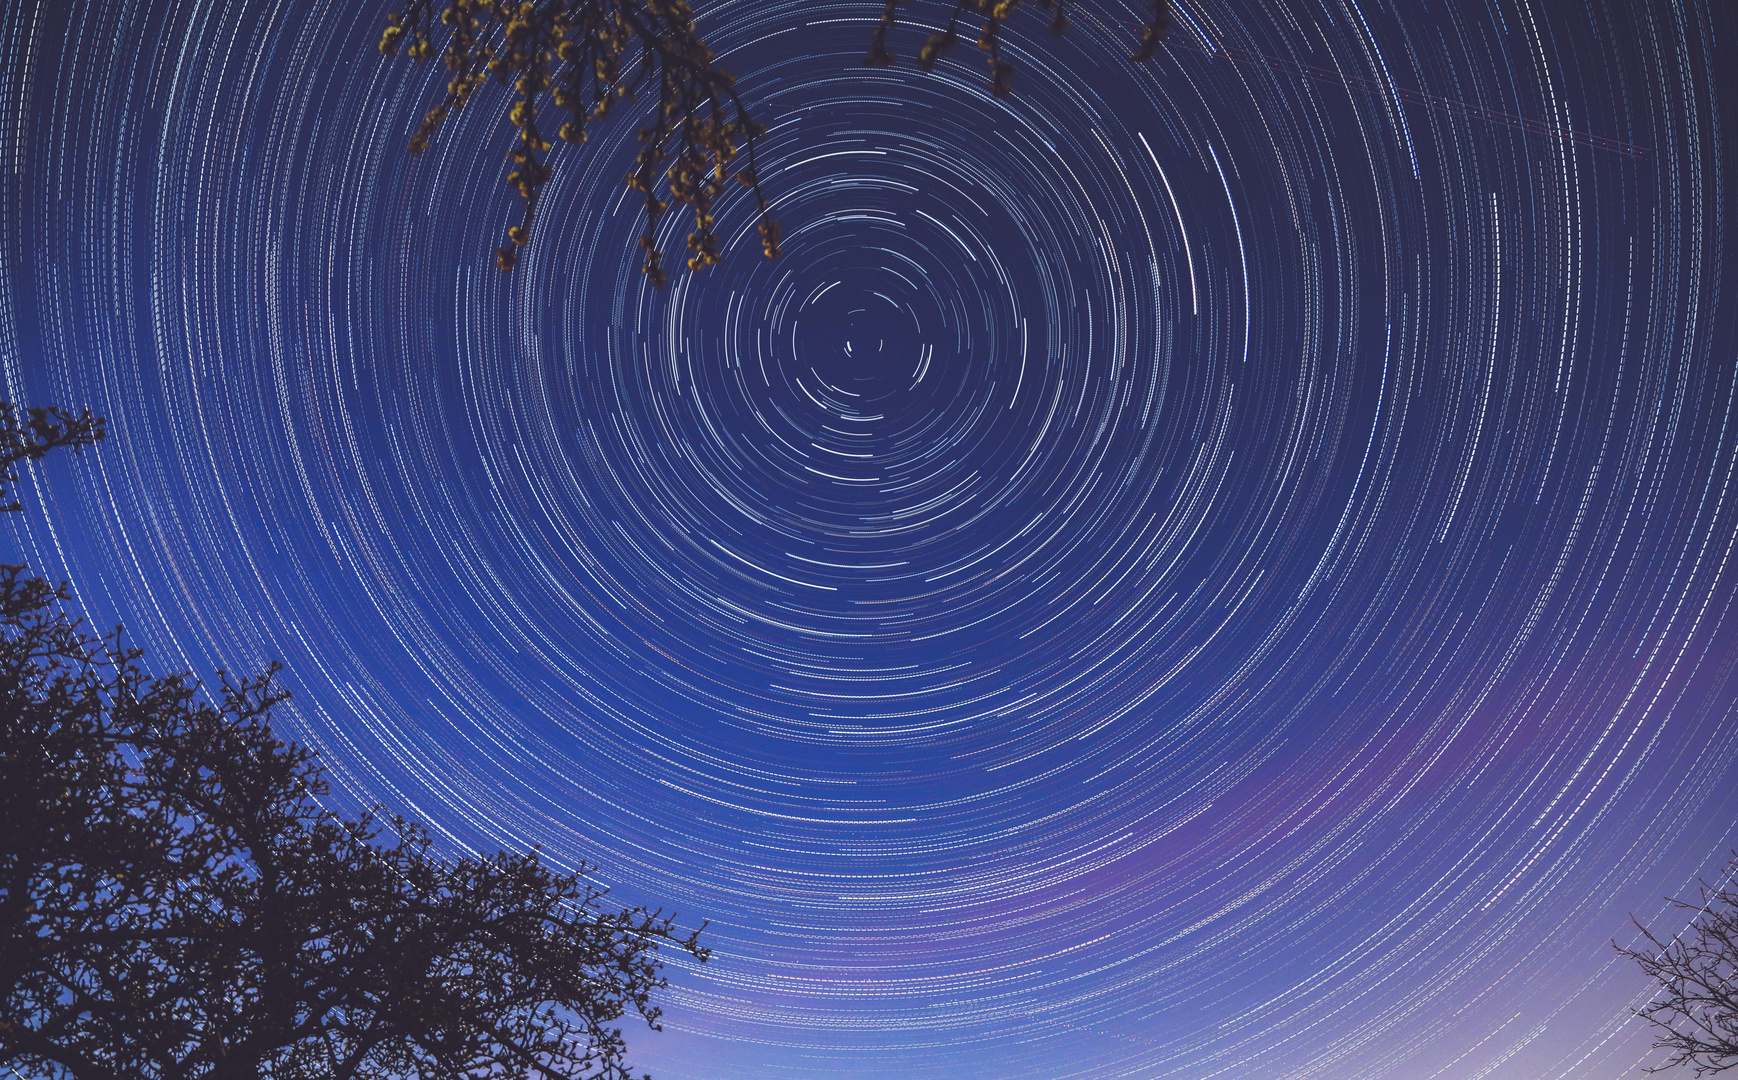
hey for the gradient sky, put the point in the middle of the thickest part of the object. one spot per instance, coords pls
(1216, 568)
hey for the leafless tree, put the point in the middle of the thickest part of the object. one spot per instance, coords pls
(1695, 1011)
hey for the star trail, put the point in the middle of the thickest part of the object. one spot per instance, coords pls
(1217, 567)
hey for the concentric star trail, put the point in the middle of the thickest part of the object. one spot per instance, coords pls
(1220, 567)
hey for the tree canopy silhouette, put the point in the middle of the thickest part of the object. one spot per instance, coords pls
(1694, 1012)
(175, 902)
(581, 55)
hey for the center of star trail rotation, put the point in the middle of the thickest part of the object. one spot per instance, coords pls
(1214, 568)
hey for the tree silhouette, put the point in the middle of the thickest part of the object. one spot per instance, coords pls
(1695, 1011)
(40, 430)
(580, 53)
(174, 901)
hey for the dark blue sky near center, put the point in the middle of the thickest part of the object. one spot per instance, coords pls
(1213, 568)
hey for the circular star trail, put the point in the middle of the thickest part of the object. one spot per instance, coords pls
(1219, 567)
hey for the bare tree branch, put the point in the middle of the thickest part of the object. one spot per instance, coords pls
(1695, 1011)
(580, 54)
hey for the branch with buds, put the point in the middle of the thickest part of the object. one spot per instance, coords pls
(995, 13)
(578, 55)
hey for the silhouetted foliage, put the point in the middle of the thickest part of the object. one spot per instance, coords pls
(36, 433)
(578, 53)
(174, 902)
(1695, 1011)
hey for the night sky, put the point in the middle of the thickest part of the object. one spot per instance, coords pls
(1215, 568)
